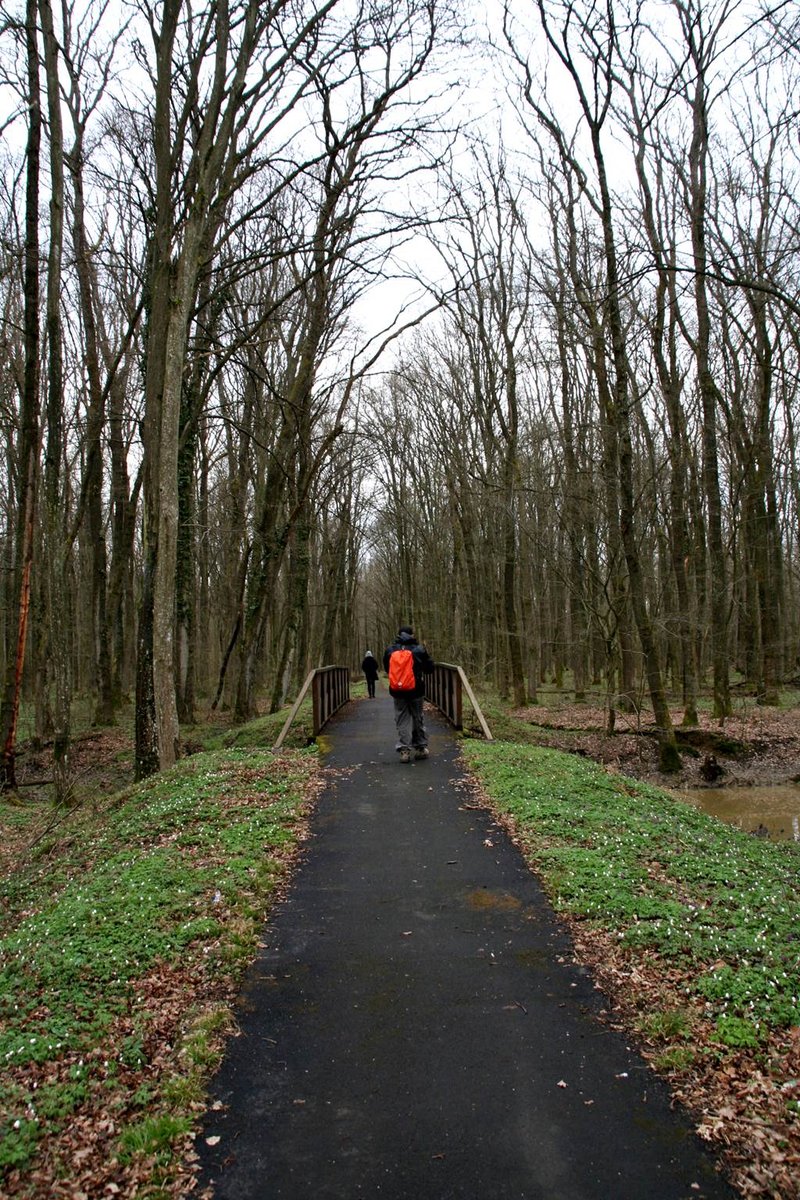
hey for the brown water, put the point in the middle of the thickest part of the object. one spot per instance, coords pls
(775, 810)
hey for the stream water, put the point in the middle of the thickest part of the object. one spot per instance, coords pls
(772, 812)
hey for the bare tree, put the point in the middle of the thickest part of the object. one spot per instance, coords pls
(219, 125)
(490, 260)
(363, 147)
(55, 546)
(702, 31)
(29, 415)
(588, 39)
(658, 203)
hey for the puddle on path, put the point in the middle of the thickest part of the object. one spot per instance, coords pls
(534, 958)
(485, 898)
(772, 812)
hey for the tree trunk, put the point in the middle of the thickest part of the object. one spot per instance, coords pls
(148, 720)
(29, 422)
(709, 393)
(296, 601)
(665, 353)
(56, 548)
(669, 758)
(93, 478)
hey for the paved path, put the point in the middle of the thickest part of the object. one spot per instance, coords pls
(414, 1028)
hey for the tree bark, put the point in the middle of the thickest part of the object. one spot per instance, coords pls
(56, 550)
(29, 420)
(709, 392)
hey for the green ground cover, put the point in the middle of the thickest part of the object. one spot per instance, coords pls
(716, 904)
(120, 917)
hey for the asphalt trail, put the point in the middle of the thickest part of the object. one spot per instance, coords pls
(414, 1028)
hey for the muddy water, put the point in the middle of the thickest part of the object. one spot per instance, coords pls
(772, 811)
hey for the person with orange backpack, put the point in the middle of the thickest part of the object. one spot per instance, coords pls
(407, 662)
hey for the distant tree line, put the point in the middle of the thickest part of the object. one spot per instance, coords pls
(604, 487)
(573, 457)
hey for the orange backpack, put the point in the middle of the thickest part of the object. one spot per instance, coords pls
(401, 671)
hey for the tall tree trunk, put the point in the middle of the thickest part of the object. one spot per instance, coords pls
(156, 730)
(296, 604)
(178, 252)
(269, 548)
(120, 607)
(173, 286)
(185, 581)
(768, 542)
(56, 547)
(669, 758)
(92, 492)
(665, 352)
(167, 504)
(709, 392)
(27, 458)
(574, 518)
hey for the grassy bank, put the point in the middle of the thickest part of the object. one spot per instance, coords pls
(690, 926)
(126, 927)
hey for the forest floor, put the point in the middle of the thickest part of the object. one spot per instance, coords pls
(758, 745)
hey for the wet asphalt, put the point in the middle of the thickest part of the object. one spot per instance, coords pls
(414, 1027)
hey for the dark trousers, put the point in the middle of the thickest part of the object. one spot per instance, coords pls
(410, 722)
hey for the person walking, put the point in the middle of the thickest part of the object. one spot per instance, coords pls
(407, 662)
(370, 668)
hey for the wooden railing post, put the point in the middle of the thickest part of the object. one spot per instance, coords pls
(444, 689)
(330, 689)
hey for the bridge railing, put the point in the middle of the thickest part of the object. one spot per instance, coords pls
(330, 689)
(445, 688)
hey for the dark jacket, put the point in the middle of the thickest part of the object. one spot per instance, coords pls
(370, 666)
(423, 663)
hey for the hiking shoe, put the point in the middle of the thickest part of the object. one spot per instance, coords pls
(421, 752)
(405, 755)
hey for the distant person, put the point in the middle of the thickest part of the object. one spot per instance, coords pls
(370, 668)
(407, 662)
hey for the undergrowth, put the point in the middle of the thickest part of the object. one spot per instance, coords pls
(167, 881)
(661, 876)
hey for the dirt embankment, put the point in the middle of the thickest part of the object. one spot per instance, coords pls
(755, 746)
